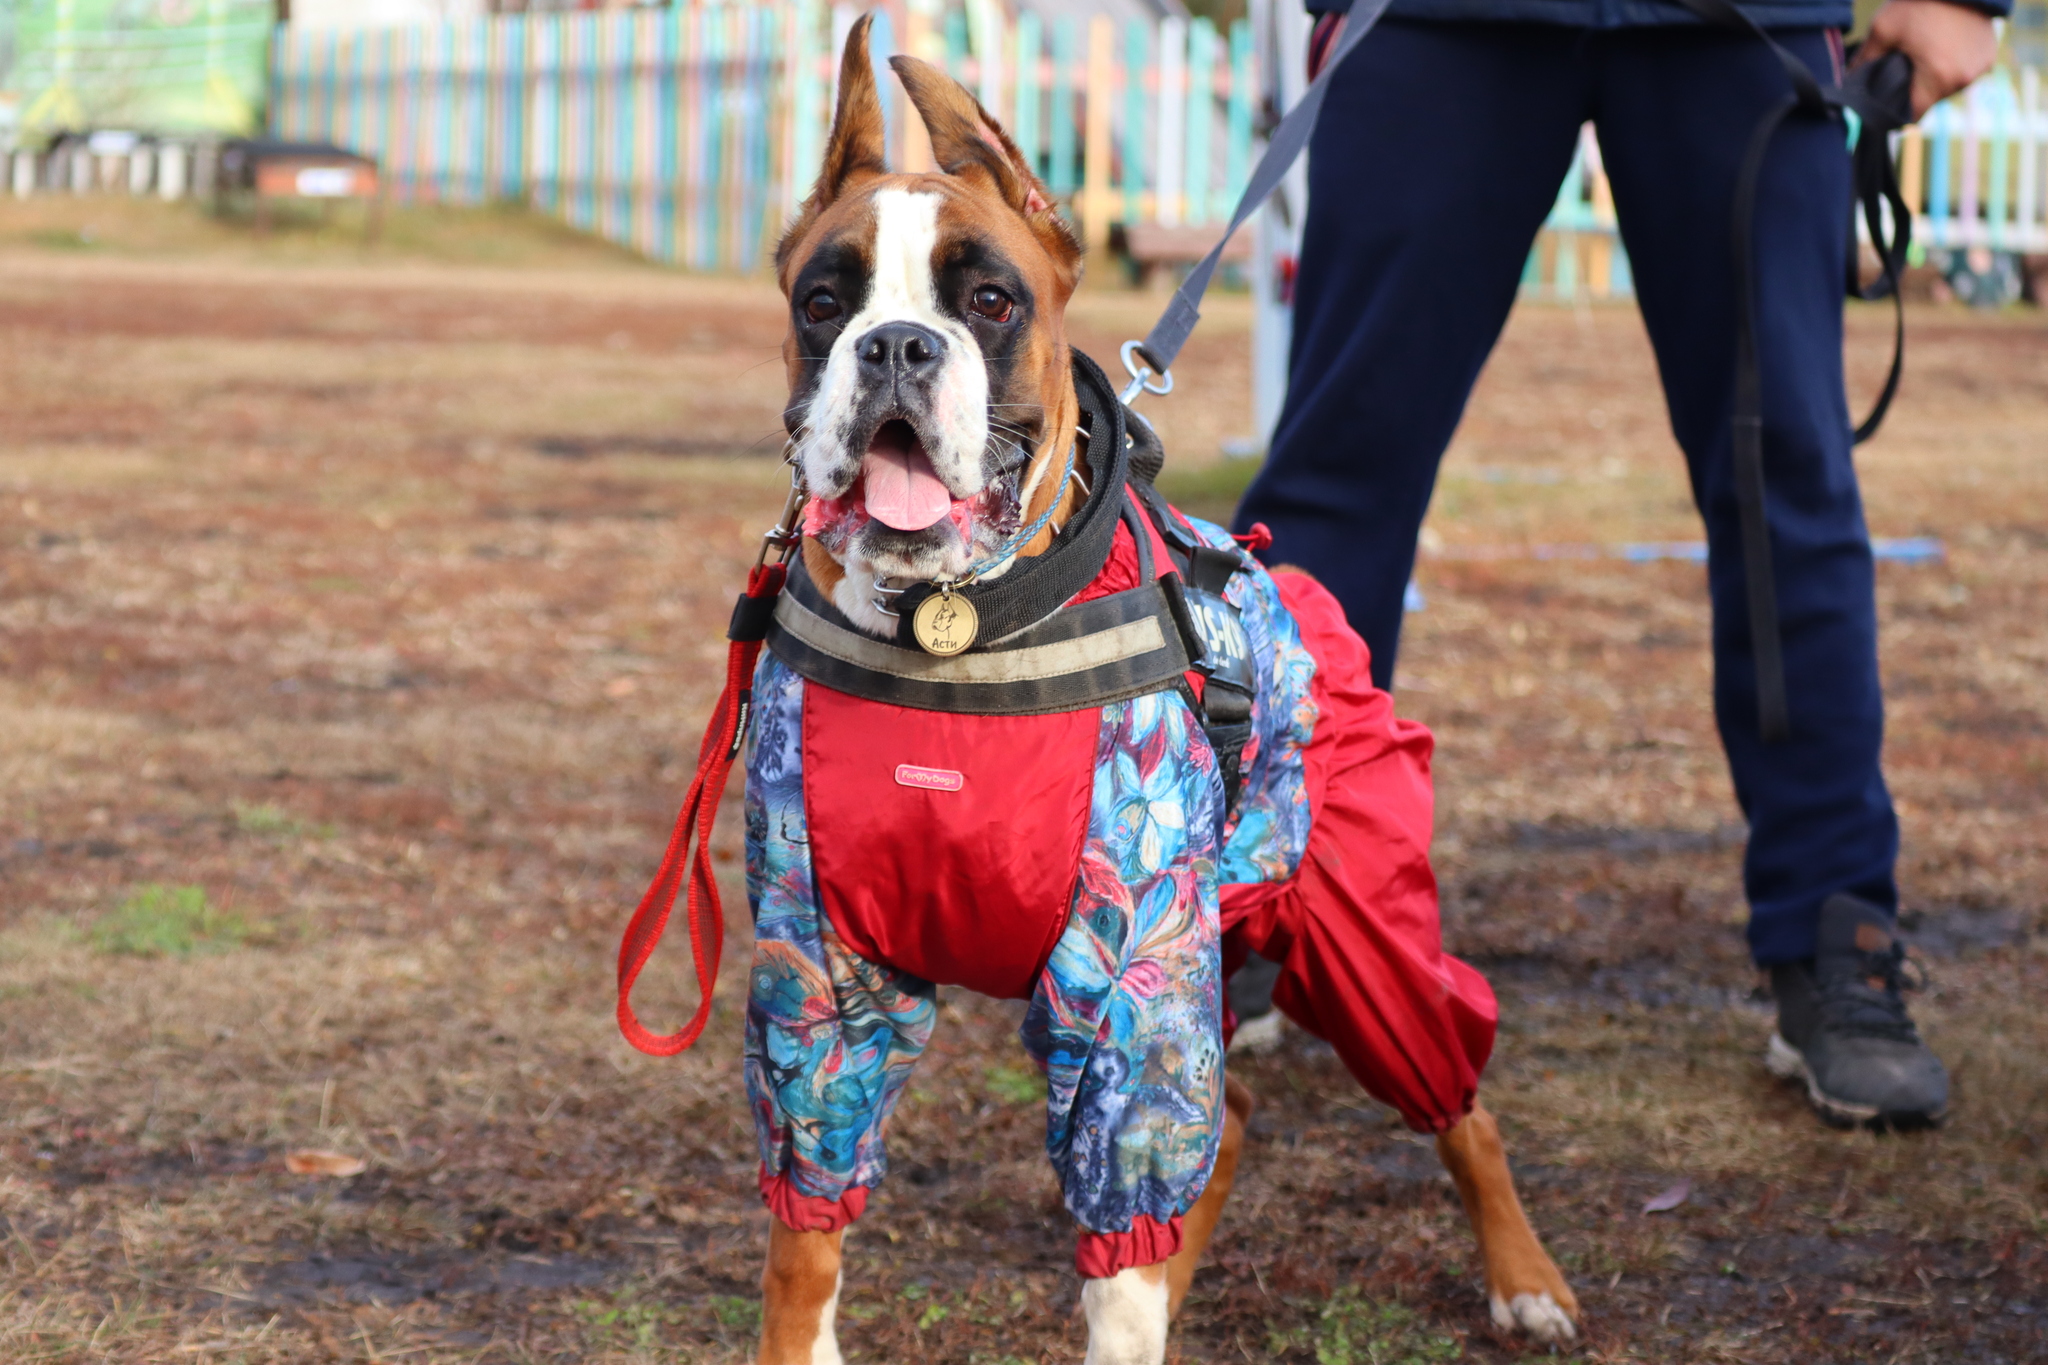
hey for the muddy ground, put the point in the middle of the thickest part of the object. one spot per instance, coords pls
(379, 597)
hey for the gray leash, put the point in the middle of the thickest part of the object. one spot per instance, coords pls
(1150, 361)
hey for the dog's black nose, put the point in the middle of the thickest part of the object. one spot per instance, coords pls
(901, 348)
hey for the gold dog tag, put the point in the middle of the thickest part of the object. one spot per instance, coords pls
(945, 623)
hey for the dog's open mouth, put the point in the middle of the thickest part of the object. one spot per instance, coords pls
(897, 488)
(897, 485)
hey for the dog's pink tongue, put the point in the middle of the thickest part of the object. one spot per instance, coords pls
(901, 489)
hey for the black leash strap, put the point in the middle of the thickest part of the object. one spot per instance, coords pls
(1162, 344)
(1882, 96)
(1875, 94)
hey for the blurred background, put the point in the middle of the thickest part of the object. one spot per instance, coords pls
(389, 409)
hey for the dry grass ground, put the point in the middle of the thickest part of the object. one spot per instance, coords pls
(379, 598)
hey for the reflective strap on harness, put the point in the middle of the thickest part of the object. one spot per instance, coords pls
(722, 738)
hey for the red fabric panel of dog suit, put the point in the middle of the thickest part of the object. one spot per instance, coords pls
(946, 845)
(1101, 1255)
(1356, 930)
(806, 1212)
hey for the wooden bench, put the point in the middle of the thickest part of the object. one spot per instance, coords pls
(1147, 246)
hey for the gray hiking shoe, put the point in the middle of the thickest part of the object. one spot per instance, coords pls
(1843, 1027)
(1251, 999)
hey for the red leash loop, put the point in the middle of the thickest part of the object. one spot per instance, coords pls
(694, 823)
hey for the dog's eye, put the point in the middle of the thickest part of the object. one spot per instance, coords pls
(821, 306)
(991, 303)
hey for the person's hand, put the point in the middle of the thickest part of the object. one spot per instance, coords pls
(1949, 45)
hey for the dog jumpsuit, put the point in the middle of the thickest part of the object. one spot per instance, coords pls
(1084, 861)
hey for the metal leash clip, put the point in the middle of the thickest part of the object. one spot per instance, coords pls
(788, 530)
(884, 600)
(1144, 377)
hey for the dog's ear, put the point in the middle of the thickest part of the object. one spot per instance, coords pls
(855, 149)
(969, 143)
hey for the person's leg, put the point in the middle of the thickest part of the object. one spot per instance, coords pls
(1676, 108)
(1675, 113)
(1437, 156)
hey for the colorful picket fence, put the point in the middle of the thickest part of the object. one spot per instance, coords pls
(690, 132)
(657, 128)
(1973, 173)
(1578, 254)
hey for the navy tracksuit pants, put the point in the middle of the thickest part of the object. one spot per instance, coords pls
(1437, 157)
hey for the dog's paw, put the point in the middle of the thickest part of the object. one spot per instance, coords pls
(1538, 1315)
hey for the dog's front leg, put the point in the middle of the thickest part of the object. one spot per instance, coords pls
(1127, 1316)
(799, 1296)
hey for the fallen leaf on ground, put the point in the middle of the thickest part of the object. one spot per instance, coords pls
(324, 1163)
(1670, 1199)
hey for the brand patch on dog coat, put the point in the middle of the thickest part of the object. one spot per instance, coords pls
(958, 870)
(929, 779)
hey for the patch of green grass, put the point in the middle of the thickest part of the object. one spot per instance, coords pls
(1351, 1329)
(168, 921)
(733, 1311)
(267, 821)
(83, 239)
(625, 1318)
(1209, 491)
(1015, 1084)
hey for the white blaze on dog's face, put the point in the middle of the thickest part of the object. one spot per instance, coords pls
(927, 356)
(901, 405)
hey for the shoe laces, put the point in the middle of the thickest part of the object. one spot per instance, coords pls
(1867, 999)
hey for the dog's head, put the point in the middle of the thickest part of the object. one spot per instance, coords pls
(931, 401)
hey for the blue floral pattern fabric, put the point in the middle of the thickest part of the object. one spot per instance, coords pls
(830, 1038)
(1269, 829)
(1126, 1019)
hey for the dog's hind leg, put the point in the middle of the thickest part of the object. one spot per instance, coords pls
(1523, 1285)
(799, 1296)
(1200, 1221)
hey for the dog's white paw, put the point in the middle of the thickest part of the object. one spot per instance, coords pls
(1539, 1315)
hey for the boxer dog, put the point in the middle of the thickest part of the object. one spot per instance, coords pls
(933, 413)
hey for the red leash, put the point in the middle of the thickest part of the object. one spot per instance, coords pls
(722, 738)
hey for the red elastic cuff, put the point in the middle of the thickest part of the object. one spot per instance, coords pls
(806, 1212)
(1099, 1255)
